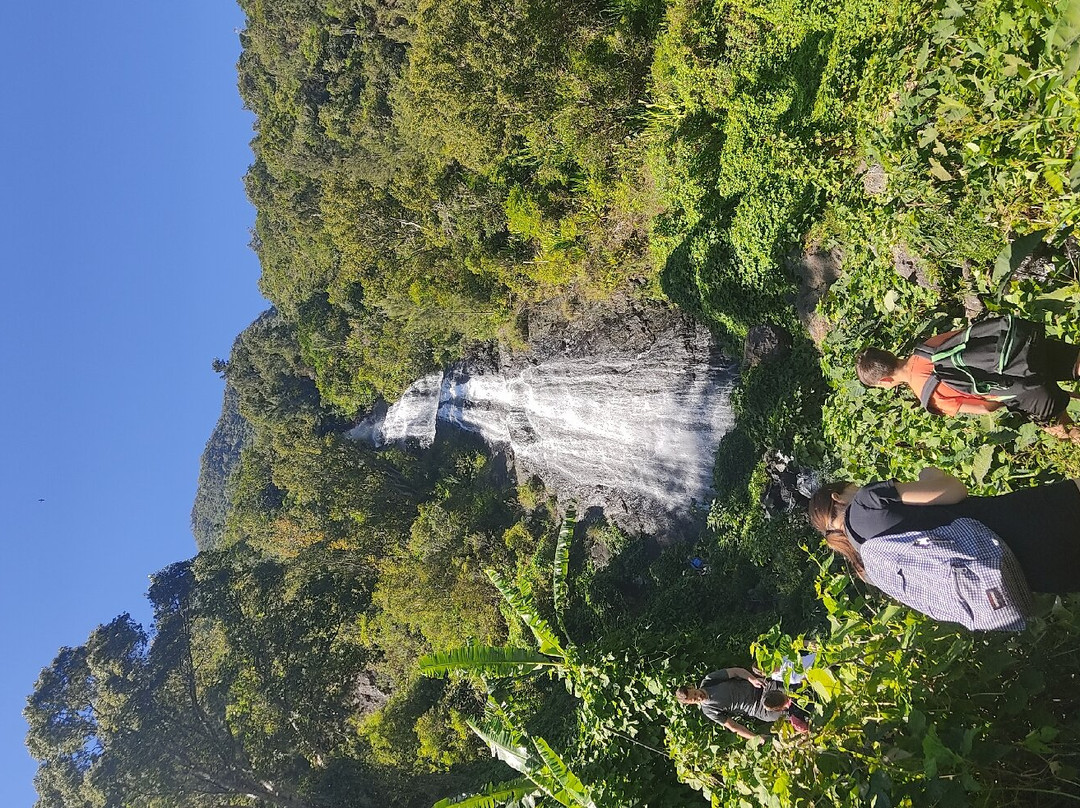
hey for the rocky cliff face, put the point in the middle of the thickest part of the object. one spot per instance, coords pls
(219, 460)
(619, 408)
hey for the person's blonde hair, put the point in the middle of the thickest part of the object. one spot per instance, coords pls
(825, 514)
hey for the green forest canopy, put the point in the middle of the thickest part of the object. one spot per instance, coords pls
(423, 173)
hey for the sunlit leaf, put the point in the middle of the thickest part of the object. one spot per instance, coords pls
(493, 661)
(1014, 253)
(984, 456)
(525, 609)
(571, 791)
(939, 171)
(824, 683)
(561, 567)
(1071, 292)
(492, 796)
(504, 746)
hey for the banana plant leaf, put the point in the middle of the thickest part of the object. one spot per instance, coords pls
(495, 795)
(505, 746)
(561, 567)
(571, 791)
(485, 660)
(521, 603)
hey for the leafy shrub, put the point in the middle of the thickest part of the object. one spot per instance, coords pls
(906, 711)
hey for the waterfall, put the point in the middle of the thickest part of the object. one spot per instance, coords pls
(633, 434)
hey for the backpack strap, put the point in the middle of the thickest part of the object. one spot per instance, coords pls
(928, 389)
(932, 381)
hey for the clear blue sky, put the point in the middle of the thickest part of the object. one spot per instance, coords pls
(125, 271)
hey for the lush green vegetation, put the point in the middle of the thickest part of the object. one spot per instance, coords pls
(424, 172)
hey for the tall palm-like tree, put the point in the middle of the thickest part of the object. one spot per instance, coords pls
(545, 776)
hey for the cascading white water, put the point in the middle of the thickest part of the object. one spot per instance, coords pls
(635, 435)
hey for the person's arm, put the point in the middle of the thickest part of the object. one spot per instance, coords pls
(979, 407)
(739, 729)
(743, 673)
(934, 487)
(1064, 429)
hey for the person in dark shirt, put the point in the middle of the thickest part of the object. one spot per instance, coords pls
(1050, 361)
(731, 693)
(1041, 524)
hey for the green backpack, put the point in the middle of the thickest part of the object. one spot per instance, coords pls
(989, 357)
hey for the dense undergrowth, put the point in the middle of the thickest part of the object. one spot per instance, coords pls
(921, 140)
(424, 172)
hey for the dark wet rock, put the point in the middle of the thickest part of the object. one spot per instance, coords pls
(874, 180)
(765, 342)
(910, 267)
(622, 326)
(973, 306)
(367, 696)
(1046, 259)
(817, 269)
(905, 264)
(790, 485)
(599, 553)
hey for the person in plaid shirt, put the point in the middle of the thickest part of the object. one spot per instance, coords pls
(1041, 524)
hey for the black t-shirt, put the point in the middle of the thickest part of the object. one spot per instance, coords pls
(876, 510)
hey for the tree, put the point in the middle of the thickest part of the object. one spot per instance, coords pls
(544, 772)
(241, 696)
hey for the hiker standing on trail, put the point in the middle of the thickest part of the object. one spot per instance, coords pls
(731, 693)
(970, 560)
(994, 363)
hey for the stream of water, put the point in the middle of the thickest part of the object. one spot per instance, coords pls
(635, 435)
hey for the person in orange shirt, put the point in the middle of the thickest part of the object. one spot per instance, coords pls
(1045, 402)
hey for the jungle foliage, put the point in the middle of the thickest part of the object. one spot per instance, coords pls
(424, 168)
(423, 172)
